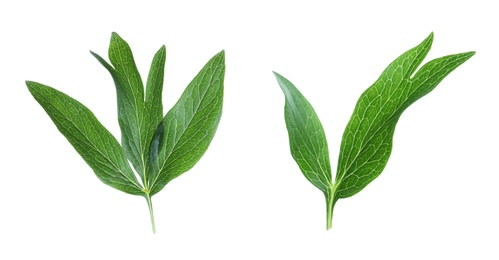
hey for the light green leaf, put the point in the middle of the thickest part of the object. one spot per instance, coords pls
(89, 137)
(367, 141)
(189, 126)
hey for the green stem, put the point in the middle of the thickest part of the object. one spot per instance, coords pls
(151, 212)
(330, 201)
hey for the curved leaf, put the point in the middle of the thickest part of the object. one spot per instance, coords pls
(367, 140)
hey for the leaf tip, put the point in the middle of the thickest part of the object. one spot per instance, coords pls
(281, 79)
(429, 39)
(470, 53)
(467, 55)
(115, 39)
(219, 58)
(221, 54)
(29, 84)
(32, 85)
(284, 83)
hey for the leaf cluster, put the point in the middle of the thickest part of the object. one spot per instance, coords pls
(160, 148)
(367, 140)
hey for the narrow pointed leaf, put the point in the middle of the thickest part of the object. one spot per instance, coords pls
(154, 89)
(131, 104)
(131, 110)
(307, 139)
(189, 126)
(367, 140)
(153, 104)
(96, 145)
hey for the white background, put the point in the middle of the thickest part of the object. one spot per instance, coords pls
(246, 198)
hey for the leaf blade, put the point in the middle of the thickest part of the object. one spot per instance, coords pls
(367, 140)
(95, 144)
(131, 103)
(154, 88)
(188, 128)
(307, 139)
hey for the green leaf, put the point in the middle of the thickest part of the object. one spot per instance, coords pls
(153, 105)
(131, 103)
(159, 149)
(154, 92)
(367, 141)
(307, 139)
(89, 137)
(189, 126)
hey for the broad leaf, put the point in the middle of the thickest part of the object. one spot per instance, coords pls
(88, 136)
(189, 126)
(131, 104)
(367, 141)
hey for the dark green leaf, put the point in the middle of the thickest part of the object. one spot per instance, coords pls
(189, 127)
(89, 137)
(131, 104)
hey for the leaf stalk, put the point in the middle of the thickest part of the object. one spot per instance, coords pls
(151, 213)
(330, 201)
